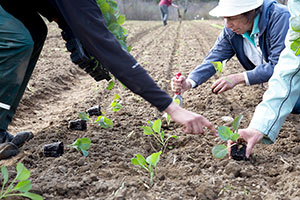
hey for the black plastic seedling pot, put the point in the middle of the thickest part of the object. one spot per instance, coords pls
(54, 149)
(78, 124)
(94, 111)
(238, 152)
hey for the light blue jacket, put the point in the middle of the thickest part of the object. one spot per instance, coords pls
(273, 26)
(284, 89)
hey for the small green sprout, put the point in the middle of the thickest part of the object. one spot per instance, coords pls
(115, 105)
(21, 188)
(220, 151)
(111, 84)
(104, 122)
(218, 66)
(149, 164)
(82, 144)
(84, 116)
(155, 130)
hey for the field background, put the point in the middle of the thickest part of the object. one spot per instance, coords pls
(59, 90)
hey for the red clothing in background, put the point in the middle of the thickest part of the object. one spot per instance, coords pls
(165, 2)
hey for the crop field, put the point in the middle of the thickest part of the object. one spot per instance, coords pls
(58, 91)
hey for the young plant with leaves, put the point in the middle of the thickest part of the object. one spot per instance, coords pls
(225, 133)
(21, 188)
(115, 105)
(114, 21)
(155, 129)
(149, 164)
(82, 145)
(101, 120)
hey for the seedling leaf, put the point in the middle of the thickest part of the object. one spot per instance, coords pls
(4, 173)
(30, 195)
(142, 161)
(84, 116)
(104, 122)
(82, 144)
(234, 137)
(147, 130)
(153, 159)
(23, 186)
(134, 161)
(224, 133)
(220, 151)
(218, 66)
(110, 86)
(157, 125)
(236, 122)
(22, 172)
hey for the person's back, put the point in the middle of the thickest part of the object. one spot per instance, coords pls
(165, 2)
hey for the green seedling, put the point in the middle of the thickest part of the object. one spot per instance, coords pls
(218, 66)
(225, 133)
(295, 35)
(18, 189)
(104, 122)
(82, 145)
(111, 84)
(149, 164)
(101, 120)
(114, 21)
(84, 116)
(115, 105)
(154, 129)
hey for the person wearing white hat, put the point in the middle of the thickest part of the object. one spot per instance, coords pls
(254, 31)
(283, 91)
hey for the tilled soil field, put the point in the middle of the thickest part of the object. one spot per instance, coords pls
(59, 90)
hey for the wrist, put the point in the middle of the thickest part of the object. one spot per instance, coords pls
(171, 108)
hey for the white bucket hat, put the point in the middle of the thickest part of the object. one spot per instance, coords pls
(229, 8)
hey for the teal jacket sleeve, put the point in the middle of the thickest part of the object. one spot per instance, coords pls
(283, 92)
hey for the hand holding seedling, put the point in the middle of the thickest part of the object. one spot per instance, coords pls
(180, 85)
(228, 82)
(193, 123)
(251, 136)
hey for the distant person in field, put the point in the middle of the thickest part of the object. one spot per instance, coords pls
(163, 7)
(254, 31)
(281, 98)
(22, 36)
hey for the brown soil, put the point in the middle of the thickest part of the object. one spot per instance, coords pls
(59, 90)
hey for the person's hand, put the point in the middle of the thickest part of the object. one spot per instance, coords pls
(180, 85)
(228, 82)
(251, 136)
(193, 123)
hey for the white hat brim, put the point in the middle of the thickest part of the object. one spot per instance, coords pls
(221, 11)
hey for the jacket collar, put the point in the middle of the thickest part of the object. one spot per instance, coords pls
(264, 17)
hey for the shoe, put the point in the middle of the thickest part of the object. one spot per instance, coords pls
(22, 137)
(165, 23)
(8, 150)
(5, 136)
